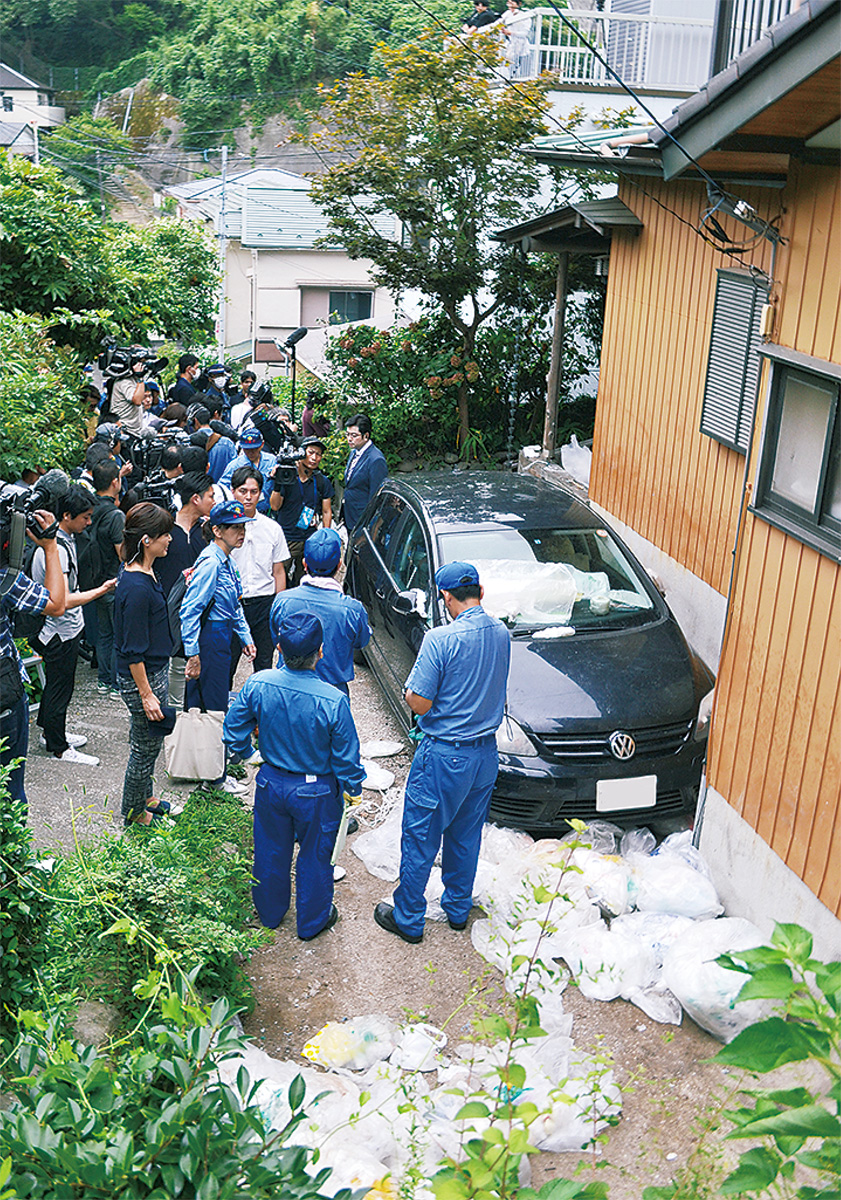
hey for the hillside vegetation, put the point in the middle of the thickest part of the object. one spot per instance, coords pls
(226, 61)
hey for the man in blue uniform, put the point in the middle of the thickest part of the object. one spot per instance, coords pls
(252, 454)
(343, 619)
(311, 751)
(457, 689)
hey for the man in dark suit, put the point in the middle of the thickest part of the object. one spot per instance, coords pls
(365, 471)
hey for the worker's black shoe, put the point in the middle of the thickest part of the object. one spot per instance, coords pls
(384, 916)
(331, 921)
(457, 925)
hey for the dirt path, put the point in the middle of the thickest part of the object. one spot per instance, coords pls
(357, 968)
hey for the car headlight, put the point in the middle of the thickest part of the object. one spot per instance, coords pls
(511, 738)
(702, 721)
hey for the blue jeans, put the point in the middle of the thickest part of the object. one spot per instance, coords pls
(106, 651)
(448, 794)
(14, 727)
(288, 809)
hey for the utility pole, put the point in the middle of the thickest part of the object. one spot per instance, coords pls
(223, 256)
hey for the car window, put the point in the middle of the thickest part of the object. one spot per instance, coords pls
(384, 521)
(545, 577)
(410, 561)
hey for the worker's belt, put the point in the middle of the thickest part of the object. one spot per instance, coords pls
(485, 740)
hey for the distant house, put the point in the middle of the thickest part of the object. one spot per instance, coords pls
(717, 449)
(23, 101)
(276, 277)
(17, 138)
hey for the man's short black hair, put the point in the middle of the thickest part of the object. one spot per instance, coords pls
(104, 473)
(96, 452)
(200, 415)
(76, 500)
(192, 484)
(304, 662)
(362, 422)
(240, 475)
(170, 457)
(193, 458)
(185, 361)
(248, 375)
(470, 591)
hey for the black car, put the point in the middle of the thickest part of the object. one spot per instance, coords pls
(608, 708)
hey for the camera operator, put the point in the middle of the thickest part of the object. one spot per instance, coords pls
(127, 396)
(19, 593)
(301, 496)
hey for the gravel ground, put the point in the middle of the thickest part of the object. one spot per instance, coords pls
(357, 968)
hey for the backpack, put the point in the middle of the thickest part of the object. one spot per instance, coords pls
(92, 570)
(29, 625)
(173, 612)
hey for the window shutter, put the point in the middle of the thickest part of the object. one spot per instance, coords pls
(733, 364)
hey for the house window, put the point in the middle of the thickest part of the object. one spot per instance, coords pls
(349, 306)
(799, 483)
(733, 364)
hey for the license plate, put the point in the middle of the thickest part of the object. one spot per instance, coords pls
(615, 795)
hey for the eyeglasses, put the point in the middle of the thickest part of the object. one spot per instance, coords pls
(351, 437)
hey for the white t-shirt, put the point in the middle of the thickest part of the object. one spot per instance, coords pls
(128, 414)
(264, 546)
(73, 621)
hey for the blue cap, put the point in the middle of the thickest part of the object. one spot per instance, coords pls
(299, 634)
(217, 369)
(322, 552)
(228, 512)
(151, 386)
(251, 438)
(456, 574)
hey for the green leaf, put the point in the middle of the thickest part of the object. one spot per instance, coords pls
(773, 982)
(769, 1044)
(660, 1193)
(794, 940)
(473, 1108)
(757, 1169)
(813, 1120)
(297, 1088)
(828, 977)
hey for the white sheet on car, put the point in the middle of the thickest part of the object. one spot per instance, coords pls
(535, 593)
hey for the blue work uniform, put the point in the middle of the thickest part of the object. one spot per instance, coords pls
(265, 466)
(311, 751)
(463, 669)
(215, 582)
(343, 619)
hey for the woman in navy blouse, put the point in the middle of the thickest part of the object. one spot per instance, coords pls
(143, 644)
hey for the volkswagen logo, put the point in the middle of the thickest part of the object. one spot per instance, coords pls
(622, 745)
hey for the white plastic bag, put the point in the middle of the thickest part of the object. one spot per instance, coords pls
(355, 1044)
(605, 964)
(707, 991)
(667, 883)
(377, 778)
(379, 848)
(417, 1047)
(656, 930)
(379, 748)
(606, 878)
(576, 459)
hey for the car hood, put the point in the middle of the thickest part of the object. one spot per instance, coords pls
(634, 679)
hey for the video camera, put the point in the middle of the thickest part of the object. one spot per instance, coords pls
(17, 514)
(115, 361)
(157, 489)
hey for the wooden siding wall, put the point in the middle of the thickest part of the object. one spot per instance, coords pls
(775, 752)
(652, 468)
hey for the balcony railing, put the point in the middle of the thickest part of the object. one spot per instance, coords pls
(740, 23)
(658, 53)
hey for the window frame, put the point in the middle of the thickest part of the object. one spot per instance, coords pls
(726, 360)
(817, 529)
(339, 291)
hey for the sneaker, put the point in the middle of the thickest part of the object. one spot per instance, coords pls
(114, 694)
(237, 787)
(103, 689)
(255, 759)
(75, 740)
(72, 755)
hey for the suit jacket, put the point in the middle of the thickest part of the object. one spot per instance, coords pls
(363, 484)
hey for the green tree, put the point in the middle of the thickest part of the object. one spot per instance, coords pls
(58, 258)
(433, 145)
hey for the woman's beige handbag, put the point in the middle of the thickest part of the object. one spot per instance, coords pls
(194, 749)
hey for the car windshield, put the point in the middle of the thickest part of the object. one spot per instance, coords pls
(553, 579)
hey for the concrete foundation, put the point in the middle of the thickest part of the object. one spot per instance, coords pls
(754, 882)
